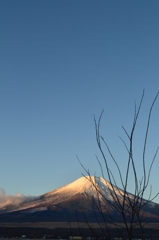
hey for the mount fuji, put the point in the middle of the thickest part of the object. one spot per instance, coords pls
(82, 188)
(74, 200)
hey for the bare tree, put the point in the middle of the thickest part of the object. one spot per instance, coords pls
(131, 208)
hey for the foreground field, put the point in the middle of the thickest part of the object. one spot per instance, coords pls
(55, 225)
(66, 229)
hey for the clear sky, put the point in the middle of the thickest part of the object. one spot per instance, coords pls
(60, 63)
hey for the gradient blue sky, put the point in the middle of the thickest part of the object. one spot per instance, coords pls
(61, 62)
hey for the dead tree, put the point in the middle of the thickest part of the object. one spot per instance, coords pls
(131, 208)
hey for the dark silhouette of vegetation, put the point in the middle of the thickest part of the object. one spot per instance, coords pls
(131, 208)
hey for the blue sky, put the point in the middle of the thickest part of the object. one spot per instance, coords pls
(61, 62)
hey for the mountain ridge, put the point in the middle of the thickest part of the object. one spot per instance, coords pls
(86, 185)
(79, 196)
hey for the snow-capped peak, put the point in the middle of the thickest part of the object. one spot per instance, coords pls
(85, 185)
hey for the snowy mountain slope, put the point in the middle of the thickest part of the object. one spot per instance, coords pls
(74, 196)
(84, 186)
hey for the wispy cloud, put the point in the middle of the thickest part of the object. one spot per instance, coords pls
(6, 200)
